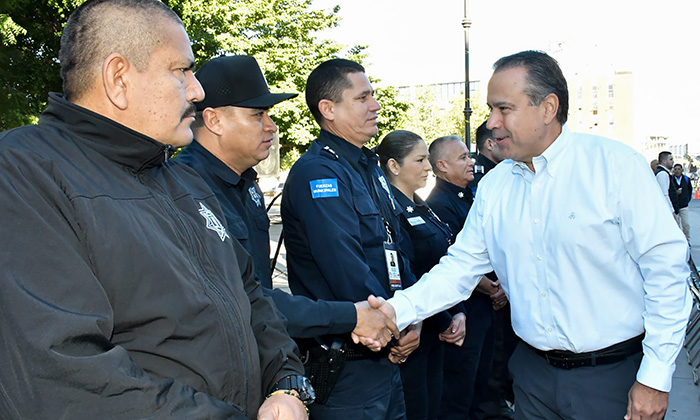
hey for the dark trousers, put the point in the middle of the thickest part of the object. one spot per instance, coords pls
(500, 384)
(366, 390)
(422, 377)
(543, 392)
(466, 368)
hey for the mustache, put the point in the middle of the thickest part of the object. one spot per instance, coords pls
(189, 112)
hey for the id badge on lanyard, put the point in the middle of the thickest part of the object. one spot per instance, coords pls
(391, 255)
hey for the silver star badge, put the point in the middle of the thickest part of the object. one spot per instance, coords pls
(460, 194)
(409, 209)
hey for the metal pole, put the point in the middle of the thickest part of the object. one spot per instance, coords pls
(467, 108)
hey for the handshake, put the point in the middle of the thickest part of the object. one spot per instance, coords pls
(376, 327)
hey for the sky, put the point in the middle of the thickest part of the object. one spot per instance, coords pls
(422, 41)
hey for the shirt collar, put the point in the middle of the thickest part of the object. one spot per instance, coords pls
(551, 159)
(220, 169)
(453, 190)
(347, 149)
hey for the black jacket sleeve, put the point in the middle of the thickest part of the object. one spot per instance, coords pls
(278, 353)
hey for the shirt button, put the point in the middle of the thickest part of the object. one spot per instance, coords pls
(544, 294)
(539, 258)
(537, 220)
(550, 329)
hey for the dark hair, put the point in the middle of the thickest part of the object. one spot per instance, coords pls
(664, 155)
(435, 149)
(101, 27)
(543, 78)
(482, 134)
(328, 81)
(679, 165)
(396, 145)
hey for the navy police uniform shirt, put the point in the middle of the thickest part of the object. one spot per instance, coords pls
(242, 202)
(334, 232)
(246, 216)
(425, 239)
(451, 203)
(481, 167)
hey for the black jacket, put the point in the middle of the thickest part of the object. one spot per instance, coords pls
(122, 294)
(680, 193)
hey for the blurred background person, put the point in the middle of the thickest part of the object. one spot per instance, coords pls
(681, 192)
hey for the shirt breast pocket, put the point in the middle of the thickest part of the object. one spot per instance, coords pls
(372, 229)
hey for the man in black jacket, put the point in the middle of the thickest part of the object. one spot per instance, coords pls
(123, 294)
(681, 192)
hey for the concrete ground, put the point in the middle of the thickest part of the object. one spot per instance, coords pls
(684, 400)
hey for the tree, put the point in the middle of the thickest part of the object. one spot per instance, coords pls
(280, 34)
(431, 120)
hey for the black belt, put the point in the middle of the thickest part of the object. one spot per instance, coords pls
(563, 359)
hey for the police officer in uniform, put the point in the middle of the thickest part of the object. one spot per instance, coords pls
(466, 368)
(233, 132)
(403, 157)
(342, 233)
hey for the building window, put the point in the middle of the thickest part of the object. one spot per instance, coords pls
(611, 92)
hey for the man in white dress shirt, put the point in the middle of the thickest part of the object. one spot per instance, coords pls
(591, 268)
(663, 175)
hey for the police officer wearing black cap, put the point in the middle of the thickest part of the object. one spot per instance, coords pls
(342, 233)
(233, 132)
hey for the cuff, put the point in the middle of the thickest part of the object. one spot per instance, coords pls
(655, 374)
(405, 311)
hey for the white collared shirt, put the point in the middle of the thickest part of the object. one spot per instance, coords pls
(585, 248)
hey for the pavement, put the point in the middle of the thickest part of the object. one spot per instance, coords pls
(684, 399)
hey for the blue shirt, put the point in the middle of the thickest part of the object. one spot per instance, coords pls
(451, 203)
(334, 231)
(585, 259)
(425, 239)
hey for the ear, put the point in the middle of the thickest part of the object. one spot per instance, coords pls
(442, 166)
(115, 79)
(212, 120)
(327, 109)
(393, 166)
(550, 106)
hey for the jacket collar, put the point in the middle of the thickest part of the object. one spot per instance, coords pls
(107, 137)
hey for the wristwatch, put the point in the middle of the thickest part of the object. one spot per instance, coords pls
(300, 384)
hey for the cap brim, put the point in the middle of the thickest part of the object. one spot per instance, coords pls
(266, 101)
(263, 101)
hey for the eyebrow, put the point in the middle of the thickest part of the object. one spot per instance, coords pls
(365, 92)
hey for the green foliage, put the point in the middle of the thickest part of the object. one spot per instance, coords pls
(30, 33)
(431, 120)
(281, 34)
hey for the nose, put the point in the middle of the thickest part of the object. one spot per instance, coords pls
(193, 89)
(268, 124)
(494, 120)
(374, 106)
(427, 166)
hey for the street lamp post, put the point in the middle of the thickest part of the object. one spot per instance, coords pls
(466, 23)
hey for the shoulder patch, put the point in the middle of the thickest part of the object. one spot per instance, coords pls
(324, 188)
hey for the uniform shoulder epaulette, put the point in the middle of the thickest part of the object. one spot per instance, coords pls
(332, 152)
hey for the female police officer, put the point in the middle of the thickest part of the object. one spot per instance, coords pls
(403, 156)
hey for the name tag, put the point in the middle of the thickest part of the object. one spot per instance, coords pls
(415, 221)
(324, 188)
